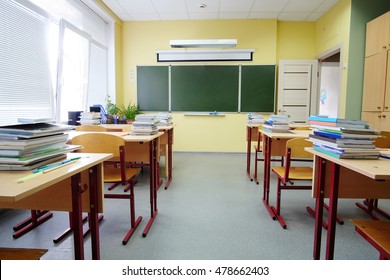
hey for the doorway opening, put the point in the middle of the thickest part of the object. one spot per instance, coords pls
(329, 84)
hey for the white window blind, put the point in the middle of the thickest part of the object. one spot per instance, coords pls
(25, 79)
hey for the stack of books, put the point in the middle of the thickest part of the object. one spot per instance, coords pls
(145, 124)
(164, 119)
(343, 138)
(255, 119)
(277, 123)
(29, 146)
(90, 118)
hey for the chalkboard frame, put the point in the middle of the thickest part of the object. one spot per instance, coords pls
(255, 87)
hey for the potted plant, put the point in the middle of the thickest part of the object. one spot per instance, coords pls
(111, 110)
(129, 111)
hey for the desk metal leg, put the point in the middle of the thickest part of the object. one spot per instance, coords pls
(153, 185)
(320, 166)
(37, 217)
(334, 186)
(248, 152)
(77, 226)
(370, 206)
(170, 142)
(267, 174)
(94, 212)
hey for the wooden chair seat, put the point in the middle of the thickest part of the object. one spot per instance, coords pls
(377, 233)
(257, 149)
(295, 173)
(111, 174)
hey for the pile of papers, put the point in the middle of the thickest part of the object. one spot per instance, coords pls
(160, 119)
(164, 119)
(255, 119)
(145, 124)
(277, 123)
(343, 138)
(90, 118)
(28, 146)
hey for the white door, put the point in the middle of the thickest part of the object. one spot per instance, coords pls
(297, 92)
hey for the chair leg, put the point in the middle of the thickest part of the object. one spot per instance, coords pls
(278, 205)
(110, 187)
(133, 222)
(255, 171)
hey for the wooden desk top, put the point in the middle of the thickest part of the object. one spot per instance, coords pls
(141, 138)
(377, 169)
(126, 135)
(291, 134)
(12, 191)
(127, 127)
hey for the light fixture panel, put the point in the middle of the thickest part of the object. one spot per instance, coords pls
(209, 43)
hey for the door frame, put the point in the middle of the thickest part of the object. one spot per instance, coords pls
(314, 97)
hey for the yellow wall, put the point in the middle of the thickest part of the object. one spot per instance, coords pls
(204, 133)
(118, 54)
(332, 30)
(296, 40)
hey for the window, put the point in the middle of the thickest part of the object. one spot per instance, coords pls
(30, 37)
(73, 73)
(26, 85)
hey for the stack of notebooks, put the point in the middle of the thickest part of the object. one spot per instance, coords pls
(145, 124)
(277, 123)
(255, 119)
(90, 118)
(29, 146)
(163, 119)
(343, 138)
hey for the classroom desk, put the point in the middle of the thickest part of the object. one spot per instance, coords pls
(251, 135)
(75, 188)
(117, 127)
(166, 142)
(142, 149)
(341, 178)
(274, 144)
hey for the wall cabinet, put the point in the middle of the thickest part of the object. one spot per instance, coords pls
(378, 35)
(376, 90)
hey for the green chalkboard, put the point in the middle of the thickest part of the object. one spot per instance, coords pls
(153, 88)
(258, 88)
(205, 88)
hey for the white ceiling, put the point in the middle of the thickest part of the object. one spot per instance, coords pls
(283, 10)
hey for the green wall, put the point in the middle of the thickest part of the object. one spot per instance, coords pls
(362, 11)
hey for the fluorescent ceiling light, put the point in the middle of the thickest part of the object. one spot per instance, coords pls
(216, 43)
(204, 55)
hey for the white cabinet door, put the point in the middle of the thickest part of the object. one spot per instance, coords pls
(297, 88)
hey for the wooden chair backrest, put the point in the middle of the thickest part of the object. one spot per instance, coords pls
(297, 146)
(90, 128)
(384, 141)
(305, 127)
(99, 143)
